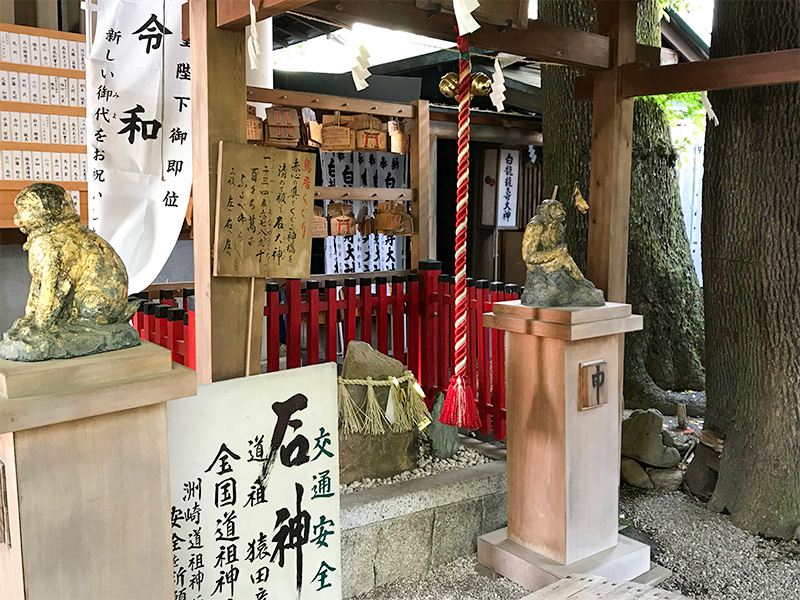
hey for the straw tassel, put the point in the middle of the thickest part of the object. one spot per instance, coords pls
(417, 410)
(401, 417)
(373, 420)
(348, 411)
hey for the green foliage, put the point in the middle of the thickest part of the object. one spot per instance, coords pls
(686, 109)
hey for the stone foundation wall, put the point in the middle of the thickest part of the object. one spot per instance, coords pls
(407, 528)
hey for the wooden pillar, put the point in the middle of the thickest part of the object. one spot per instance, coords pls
(610, 170)
(421, 209)
(222, 304)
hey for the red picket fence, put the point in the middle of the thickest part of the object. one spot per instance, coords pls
(168, 321)
(413, 323)
(410, 318)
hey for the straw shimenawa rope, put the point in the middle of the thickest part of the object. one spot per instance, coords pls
(406, 406)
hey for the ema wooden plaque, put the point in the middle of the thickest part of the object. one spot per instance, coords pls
(265, 210)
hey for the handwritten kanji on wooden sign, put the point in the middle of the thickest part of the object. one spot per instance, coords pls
(265, 209)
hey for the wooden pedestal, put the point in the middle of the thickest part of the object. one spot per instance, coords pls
(84, 477)
(563, 369)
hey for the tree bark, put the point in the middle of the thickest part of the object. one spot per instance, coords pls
(662, 284)
(751, 271)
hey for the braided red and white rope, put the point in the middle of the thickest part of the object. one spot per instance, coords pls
(459, 408)
(462, 201)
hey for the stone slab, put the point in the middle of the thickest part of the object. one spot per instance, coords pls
(455, 531)
(403, 549)
(625, 561)
(406, 497)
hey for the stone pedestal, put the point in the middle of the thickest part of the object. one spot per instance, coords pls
(563, 377)
(84, 475)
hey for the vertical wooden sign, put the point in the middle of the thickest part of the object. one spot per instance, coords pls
(265, 209)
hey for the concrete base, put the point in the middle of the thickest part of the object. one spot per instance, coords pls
(625, 561)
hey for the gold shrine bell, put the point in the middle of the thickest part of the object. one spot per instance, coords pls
(481, 85)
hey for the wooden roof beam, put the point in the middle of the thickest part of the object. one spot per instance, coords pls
(748, 70)
(235, 14)
(540, 41)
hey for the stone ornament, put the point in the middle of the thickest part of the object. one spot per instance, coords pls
(77, 304)
(553, 278)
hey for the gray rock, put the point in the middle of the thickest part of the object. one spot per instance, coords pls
(559, 288)
(362, 361)
(642, 440)
(669, 480)
(667, 438)
(443, 438)
(632, 473)
(373, 456)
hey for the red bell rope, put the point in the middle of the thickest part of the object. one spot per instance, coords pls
(459, 406)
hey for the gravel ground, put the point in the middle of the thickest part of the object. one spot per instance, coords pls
(458, 580)
(426, 465)
(710, 558)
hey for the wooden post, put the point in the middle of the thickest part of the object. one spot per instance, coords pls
(610, 170)
(421, 209)
(218, 113)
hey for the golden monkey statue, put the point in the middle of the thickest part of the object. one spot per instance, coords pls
(77, 304)
(553, 278)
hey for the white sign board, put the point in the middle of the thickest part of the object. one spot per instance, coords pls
(507, 188)
(254, 480)
(140, 152)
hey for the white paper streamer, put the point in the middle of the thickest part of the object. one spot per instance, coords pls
(497, 95)
(253, 44)
(360, 71)
(710, 114)
(464, 9)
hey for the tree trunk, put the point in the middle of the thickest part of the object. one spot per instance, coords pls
(751, 270)
(662, 284)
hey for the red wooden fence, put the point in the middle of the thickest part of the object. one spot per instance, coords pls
(413, 322)
(168, 322)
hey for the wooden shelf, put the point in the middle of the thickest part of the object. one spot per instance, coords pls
(18, 184)
(354, 193)
(40, 70)
(39, 147)
(38, 31)
(49, 109)
(323, 102)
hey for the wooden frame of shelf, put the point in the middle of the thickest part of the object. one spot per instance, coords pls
(417, 195)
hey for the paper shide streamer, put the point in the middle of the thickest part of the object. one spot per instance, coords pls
(360, 71)
(253, 43)
(497, 95)
(463, 10)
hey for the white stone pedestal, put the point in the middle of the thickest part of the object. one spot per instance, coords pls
(563, 372)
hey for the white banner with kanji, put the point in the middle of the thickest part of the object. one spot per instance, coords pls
(139, 124)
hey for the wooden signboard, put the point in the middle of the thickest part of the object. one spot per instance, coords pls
(265, 208)
(254, 482)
